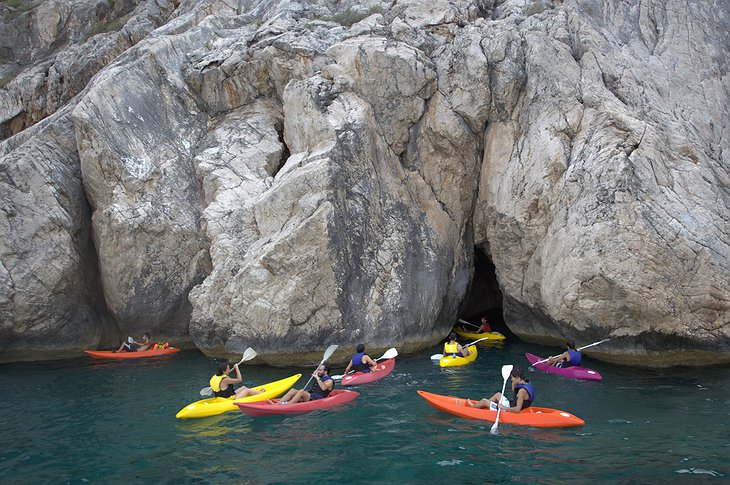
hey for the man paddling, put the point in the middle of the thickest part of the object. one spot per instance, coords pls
(323, 385)
(454, 349)
(524, 395)
(131, 345)
(361, 362)
(571, 357)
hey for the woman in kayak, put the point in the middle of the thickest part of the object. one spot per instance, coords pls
(524, 395)
(323, 385)
(485, 327)
(454, 349)
(132, 345)
(222, 383)
(571, 357)
(361, 362)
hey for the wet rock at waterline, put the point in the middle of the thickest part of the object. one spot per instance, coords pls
(288, 176)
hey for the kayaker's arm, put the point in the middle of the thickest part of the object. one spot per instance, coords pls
(230, 380)
(518, 405)
(367, 360)
(349, 366)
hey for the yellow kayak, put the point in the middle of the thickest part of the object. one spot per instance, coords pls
(490, 336)
(219, 405)
(451, 361)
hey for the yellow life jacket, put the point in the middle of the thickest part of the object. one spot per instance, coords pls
(215, 382)
(450, 348)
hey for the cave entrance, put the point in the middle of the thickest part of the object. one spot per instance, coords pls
(484, 296)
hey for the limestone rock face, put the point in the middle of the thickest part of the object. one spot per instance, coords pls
(288, 175)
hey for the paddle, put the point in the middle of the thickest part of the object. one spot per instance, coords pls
(470, 324)
(389, 354)
(439, 356)
(506, 370)
(327, 354)
(580, 348)
(248, 354)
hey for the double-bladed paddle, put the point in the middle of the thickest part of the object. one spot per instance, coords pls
(327, 354)
(439, 356)
(580, 348)
(470, 324)
(389, 354)
(506, 370)
(248, 354)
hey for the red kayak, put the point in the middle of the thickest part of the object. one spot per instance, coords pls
(382, 369)
(258, 409)
(108, 354)
(574, 372)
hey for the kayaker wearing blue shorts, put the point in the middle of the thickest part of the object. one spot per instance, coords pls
(361, 362)
(454, 349)
(524, 395)
(568, 358)
(323, 385)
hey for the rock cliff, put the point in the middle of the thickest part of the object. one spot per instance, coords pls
(287, 175)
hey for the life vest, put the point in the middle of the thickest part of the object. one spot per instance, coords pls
(358, 365)
(575, 357)
(215, 384)
(530, 393)
(451, 349)
(317, 392)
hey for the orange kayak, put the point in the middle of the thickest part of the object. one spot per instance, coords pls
(532, 416)
(108, 354)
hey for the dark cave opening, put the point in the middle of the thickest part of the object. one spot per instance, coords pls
(484, 296)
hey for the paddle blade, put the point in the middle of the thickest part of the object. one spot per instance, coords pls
(506, 370)
(206, 391)
(248, 354)
(389, 354)
(328, 353)
(437, 356)
(337, 377)
(493, 430)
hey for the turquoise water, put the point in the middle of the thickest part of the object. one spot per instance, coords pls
(87, 421)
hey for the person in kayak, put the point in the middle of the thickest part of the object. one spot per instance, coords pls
(571, 357)
(222, 383)
(524, 395)
(131, 345)
(361, 362)
(485, 327)
(323, 385)
(454, 349)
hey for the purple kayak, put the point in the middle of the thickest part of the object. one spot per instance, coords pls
(574, 372)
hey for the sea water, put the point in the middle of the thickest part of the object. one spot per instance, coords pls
(90, 421)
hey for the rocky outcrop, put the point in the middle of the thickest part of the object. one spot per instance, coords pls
(291, 175)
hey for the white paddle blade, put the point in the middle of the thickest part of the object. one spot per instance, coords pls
(494, 427)
(437, 356)
(337, 377)
(206, 391)
(389, 354)
(328, 353)
(506, 371)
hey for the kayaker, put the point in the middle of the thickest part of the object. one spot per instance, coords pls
(361, 362)
(454, 349)
(524, 395)
(131, 345)
(222, 383)
(571, 357)
(485, 327)
(321, 388)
